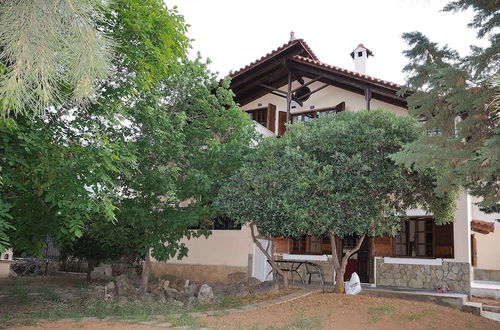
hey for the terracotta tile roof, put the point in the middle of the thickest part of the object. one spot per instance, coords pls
(483, 227)
(274, 52)
(345, 71)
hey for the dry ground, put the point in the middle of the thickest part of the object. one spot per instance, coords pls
(74, 298)
(333, 311)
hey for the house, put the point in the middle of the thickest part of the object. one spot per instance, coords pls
(290, 84)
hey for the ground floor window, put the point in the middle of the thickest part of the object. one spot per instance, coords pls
(311, 245)
(415, 238)
(421, 237)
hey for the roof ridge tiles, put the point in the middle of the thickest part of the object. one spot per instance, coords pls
(274, 52)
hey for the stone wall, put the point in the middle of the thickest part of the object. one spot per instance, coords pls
(455, 276)
(487, 275)
(200, 273)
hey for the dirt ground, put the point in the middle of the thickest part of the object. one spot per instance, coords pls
(322, 311)
(333, 311)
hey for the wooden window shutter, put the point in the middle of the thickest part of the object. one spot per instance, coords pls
(443, 241)
(271, 117)
(382, 246)
(473, 246)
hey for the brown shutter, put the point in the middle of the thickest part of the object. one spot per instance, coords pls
(271, 117)
(281, 245)
(443, 241)
(382, 246)
(473, 246)
(326, 246)
(281, 123)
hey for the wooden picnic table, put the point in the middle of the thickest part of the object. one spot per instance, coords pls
(292, 266)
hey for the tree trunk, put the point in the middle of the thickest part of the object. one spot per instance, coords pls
(274, 266)
(146, 270)
(340, 267)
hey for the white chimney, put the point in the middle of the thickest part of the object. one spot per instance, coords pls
(360, 55)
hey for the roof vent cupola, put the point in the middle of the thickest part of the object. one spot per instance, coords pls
(360, 55)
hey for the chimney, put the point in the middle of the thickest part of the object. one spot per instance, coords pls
(360, 55)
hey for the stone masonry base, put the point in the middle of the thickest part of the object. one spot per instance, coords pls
(455, 276)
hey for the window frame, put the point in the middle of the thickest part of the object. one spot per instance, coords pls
(433, 240)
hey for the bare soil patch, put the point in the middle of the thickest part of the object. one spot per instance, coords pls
(334, 311)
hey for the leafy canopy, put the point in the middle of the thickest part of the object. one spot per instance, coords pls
(333, 174)
(64, 170)
(458, 97)
(51, 53)
(190, 135)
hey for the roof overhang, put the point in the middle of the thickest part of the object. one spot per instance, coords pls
(482, 227)
(297, 58)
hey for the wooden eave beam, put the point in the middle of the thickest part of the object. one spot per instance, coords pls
(265, 67)
(307, 83)
(314, 91)
(359, 87)
(271, 88)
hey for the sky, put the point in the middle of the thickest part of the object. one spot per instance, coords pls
(234, 33)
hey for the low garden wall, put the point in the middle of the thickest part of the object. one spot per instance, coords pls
(455, 276)
(487, 275)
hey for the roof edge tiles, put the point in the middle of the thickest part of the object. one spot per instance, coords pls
(274, 52)
(345, 71)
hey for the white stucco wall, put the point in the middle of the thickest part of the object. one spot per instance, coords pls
(461, 229)
(488, 245)
(222, 248)
(488, 249)
(327, 97)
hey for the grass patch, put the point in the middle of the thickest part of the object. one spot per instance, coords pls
(307, 323)
(50, 294)
(376, 312)
(414, 316)
(300, 322)
(18, 295)
(222, 302)
(185, 319)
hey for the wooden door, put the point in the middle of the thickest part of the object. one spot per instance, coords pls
(364, 255)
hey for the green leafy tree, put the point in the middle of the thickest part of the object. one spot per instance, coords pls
(333, 176)
(457, 97)
(188, 138)
(182, 126)
(57, 173)
(52, 53)
(63, 170)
